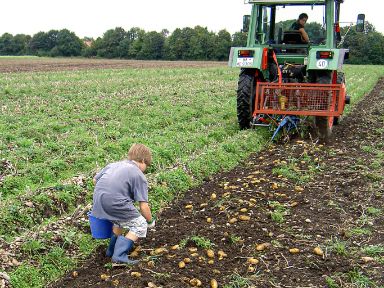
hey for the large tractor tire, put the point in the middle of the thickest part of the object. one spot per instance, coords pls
(340, 79)
(246, 97)
(323, 124)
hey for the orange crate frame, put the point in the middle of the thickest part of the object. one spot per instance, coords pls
(306, 99)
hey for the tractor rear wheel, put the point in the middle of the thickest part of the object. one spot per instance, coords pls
(246, 97)
(323, 124)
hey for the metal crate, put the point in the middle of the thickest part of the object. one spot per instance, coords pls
(300, 99)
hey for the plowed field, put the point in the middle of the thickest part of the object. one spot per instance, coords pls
(264, 219)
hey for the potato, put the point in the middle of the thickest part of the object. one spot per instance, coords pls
(210, 253)
(189, 206)
(221, 254)
(294, 250)
(104, 277)
(274, 185)
(253, 261)
(134, 254)
(136, 274)
(195, 282)
(159, 251)
(244, 217)
(181, 264)
(151, 264)
(187, 260)
(209, 220)
(251, 269)
(213, 196)
(263, 246)
(175, 247)
(243, 210)
(318, 251)
(214, 283)
(232, 220)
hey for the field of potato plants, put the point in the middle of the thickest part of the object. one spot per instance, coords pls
(234, 209)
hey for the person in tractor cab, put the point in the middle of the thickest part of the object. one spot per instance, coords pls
(299, 26)
(117, 187)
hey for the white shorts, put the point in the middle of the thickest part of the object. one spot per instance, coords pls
(138, 226)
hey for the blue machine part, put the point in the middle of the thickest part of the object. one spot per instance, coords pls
(288, 122)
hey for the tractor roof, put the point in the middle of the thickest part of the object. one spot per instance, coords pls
(286, 2)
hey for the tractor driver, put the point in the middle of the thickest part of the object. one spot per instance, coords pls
(299, 25)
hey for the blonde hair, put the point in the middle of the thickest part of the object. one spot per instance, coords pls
(140, 153)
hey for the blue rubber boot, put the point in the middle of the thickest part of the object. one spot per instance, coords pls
(122, 248)
(111, 246)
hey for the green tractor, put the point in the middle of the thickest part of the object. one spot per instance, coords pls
(284, 77)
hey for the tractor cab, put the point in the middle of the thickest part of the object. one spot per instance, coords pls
(281, 73)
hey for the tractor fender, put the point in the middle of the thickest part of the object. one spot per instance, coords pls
(334, 61)
(246, 57)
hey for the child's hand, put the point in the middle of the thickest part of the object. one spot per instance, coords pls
(152, 224)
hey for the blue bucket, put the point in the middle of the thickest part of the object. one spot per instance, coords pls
(100, 228)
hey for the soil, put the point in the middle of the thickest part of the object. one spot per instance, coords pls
(324, 200)
(13, 65)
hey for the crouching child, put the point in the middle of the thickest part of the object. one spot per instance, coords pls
(117, 187)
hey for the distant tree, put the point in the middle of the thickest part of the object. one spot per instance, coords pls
(109, 44)
(223, 43)
(39, 44)
(20, 44)
(365, 47)
(136, 36)
(176, 45)
(239, 39)
(67, 44)
(201, 45)
(6, 43)
(52, 36)
(153, 46)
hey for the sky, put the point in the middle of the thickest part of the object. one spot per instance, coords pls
(92, 18)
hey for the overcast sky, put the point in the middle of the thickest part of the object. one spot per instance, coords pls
(93, 17)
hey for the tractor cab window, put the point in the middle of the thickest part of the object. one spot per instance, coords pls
(287, 32)
(274, 24)
(263, 25)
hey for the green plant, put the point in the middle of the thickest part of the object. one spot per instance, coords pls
(237, 281)
(367, 149)
(359, 279)
(32, 247)
(358, 232)
(331, 283)
(279, 211)
(373, 211)
(337, 246)
(233, 239)
(201, 242)
(373, 250)
(291, 171)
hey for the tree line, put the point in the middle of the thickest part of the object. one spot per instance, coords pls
(196, 43)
